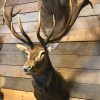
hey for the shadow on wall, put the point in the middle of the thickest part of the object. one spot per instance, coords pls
(1, 94)
(1, 41)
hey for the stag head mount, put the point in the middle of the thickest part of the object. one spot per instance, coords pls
(37, 54)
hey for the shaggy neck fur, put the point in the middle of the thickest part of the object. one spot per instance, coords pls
(49, 84)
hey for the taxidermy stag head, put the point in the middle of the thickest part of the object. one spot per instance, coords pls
(47, 82)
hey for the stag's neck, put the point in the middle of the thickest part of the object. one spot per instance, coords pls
(43, 78)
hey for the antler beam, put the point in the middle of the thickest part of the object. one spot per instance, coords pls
(8, 20)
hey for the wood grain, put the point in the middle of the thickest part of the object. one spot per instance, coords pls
(21, 95)
(65, 48)
(31, 23)
(73, 35)
(81, 31)
(17, 95)
(19, 2)
(75, 61)
(33, 7)
(78, 75)
(78, 90)
(9, 2)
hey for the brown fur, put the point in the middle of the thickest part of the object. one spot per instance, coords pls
(47, 82)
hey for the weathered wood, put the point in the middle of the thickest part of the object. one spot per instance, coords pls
(33, 7)
(70, 61)
(9, 2)
(86, 91)
(25, 8)
(67, 48)
(74, 35)
(78, 75)
(17, 95)
(81, 31)
(19, 2)
(81, 23)
(22, 95)
(30, 17)
(27, 17)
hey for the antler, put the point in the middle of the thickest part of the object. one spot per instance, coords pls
(69, 10)
(73, 14)
(44, 42)
(8, 20)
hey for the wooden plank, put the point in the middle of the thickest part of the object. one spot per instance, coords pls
(86, 91)
(30, 25)
(67, 48)
(31, 8)
(27, 17)
(9, 2)
(78, 75)
(87, 11)
(95, 1)
(75, 61)
(33, 16)
(19, 2)
(74, 35)
(22, 95)
(17, 95)
(78, 33)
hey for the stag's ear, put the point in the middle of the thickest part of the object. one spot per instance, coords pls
(22, 48)
(53, 46)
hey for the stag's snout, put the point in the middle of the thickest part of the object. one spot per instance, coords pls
(27, 69)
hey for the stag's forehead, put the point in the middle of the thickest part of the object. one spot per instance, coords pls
(37, 48)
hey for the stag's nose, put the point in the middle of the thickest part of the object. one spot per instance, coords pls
(26, 69)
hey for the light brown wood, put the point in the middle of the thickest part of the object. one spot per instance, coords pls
(30, 7)
(28, 1)
(73, 35)
(22, 95)
(34, 7)
(17, 95)
(78, 90)
(81, 31)
(18, 2)
(30, 25)
(79, 75)
(66, 48)
(70, 61)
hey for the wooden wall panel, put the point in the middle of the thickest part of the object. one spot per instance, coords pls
(22, 95)
(79, 75)
(78, 90)
(28, 1)
(82, 30)
(33, 7)
(79, 61)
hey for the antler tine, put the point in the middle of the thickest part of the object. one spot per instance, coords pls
(38, 34)
(24, 33)
(8, 20)
(44, 42)
(71, 20)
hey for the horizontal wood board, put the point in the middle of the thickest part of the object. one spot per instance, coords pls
(78, 90)
(76, 60)
(22, 95)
